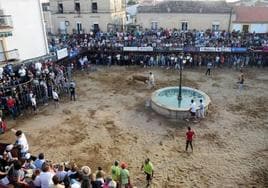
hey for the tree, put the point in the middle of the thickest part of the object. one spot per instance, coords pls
(132, 2)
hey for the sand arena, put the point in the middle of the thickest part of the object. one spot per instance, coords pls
(109, 121)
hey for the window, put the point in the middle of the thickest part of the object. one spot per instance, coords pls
(94, 7)
(184, 26)
(79, 27)
(215, 26)
(77, 7)
(245, 28)
(96, 27)
(154, 25)
(60, 8)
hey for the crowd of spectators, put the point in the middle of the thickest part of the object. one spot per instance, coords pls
(38, 172)
(23, 170)
(161, 38)
(107, 48)
(23, 86)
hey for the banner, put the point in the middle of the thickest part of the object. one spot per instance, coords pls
(190, 49)
(215, 49)
(239, 49)
(62, 53)
(207, 49)
(265, 49)
(168, 49)
(223, 49)
(138, 49)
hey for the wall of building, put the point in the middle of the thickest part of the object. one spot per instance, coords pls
(48, 21)
(253, 27)
(28, 35)
(87, 21)
(109, 12)
(195, 21)
(85, 5)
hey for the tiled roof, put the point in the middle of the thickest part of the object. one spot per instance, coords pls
(186, 7)
(251, 14)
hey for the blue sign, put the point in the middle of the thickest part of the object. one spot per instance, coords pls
(239, 49)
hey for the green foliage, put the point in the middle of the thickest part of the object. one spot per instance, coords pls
(132, 2)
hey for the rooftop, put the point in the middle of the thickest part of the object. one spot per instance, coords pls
(251, 14)
(186, 7)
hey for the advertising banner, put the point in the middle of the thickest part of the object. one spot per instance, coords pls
(62, 53)
(138, 49)
(239, 49)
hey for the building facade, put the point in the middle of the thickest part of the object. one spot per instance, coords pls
(22, 31)
(251, 19)
(83, 16)
(186, 15)
(47, 17)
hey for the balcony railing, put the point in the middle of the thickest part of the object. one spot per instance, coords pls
(6, 22)
(9, 55)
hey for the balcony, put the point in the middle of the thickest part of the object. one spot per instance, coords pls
(10, 55)
(6, 22)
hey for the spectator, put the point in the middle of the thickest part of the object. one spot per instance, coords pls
(33, 102)
(44, 180)
(151, 81)
(124, 176)
(201, 109)
(72, 90)
(40, 161)
(11, 107)
(86, 172)
(55, 98)
(16, 175)
(209, 66)
(56, 182)
(100, 175)
(3, 126)
(192, 109)
(61, 173)
(115, 171)
(21, 141)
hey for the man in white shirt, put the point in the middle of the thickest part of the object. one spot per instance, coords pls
(55, 97)
(22, 73)
(151, 81)
(21, 141)
(201, 109)
(44, 180)
(193, 109)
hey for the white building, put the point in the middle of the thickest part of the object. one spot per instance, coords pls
(22, 30)
(83, 16)
(251, 19)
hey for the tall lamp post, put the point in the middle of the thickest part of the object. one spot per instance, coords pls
(182, 61)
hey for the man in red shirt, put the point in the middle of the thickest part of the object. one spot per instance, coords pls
(189, 138)
(11, 106)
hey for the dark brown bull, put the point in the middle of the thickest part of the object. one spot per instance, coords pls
(140, 78)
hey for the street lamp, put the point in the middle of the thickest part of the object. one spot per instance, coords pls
(182, 61)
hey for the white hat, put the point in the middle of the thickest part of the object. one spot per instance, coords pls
(86, 170)
(9, 147)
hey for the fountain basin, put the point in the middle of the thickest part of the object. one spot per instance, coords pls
(165, 101)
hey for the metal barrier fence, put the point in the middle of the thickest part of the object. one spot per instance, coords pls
(41, 89)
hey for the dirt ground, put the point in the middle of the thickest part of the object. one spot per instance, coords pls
(110, 121)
